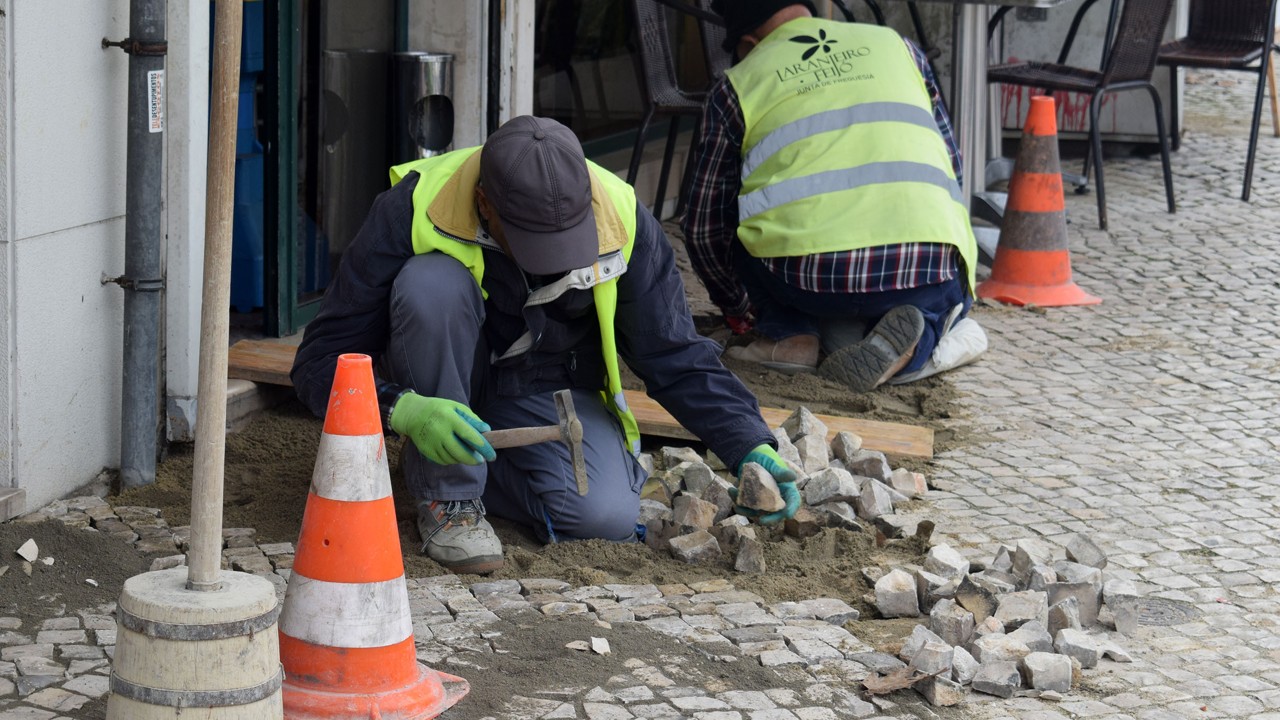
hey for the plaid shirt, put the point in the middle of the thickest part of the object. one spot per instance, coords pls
(711, 222)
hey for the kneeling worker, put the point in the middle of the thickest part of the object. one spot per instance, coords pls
(825, 200)
(482, 282)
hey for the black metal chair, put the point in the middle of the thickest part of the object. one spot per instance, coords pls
(662, 92)
(1225, 35)
(1129, 66)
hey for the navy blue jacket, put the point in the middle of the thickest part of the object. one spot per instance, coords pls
(681, 369)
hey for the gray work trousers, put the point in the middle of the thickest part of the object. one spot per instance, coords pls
(437, 349)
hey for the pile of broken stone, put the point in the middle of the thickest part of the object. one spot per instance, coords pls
(687, 505)
(1027, 623)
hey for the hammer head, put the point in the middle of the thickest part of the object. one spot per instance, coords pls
(571, 432)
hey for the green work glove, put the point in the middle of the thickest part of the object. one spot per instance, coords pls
(767, 458)
(444, 431)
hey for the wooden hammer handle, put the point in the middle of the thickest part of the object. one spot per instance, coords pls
(518, 437)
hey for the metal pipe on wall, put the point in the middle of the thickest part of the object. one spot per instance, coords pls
(143, 280)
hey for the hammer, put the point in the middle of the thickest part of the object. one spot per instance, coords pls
(569, 432)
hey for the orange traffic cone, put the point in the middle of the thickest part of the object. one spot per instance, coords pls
(1033, 264)
(346, 637)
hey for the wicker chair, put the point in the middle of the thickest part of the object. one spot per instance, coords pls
(1129, 66)
(662, 92)
(1227, 35)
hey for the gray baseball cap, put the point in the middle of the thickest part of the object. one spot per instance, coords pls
(535, 175)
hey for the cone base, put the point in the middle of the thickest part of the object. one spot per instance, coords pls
(431, 694)
(1040, 295)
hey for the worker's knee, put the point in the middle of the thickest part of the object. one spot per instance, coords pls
(608, 516)
(432, 289)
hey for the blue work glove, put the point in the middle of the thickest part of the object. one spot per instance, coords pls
(767, 458)
(444, 431)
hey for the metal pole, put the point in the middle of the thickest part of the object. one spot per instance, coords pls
(143, 236)
(205, 558)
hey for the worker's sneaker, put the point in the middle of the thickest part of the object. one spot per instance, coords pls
(796, 354)
(881, 355)
(456, 535)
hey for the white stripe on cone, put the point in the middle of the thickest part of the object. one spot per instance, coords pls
(351, 468)
(346, 615)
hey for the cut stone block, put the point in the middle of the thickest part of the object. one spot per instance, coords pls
(899, 526)
(991, 648)
(1027, 553)
(750, 557)
(919, 637)
(651, 510)
(1003, 561)
(1125, 617)
(869, 463)
(646, 462)
(928, 586)
(1114, 651)
(1034, 636)
(1000, 678)
(844, 445)
(831, 610)
(803, 423)
(673, 456)
(1079, 645)
(945, 561)
(730, 536)
(805, 523)
(831, 485)
(1047, 672)
(1117, 588)
(1075, 572)
(758, 490)
(717, 493)
(963, 666)
(995, 581)
(28, 550)
(813, 452)
(1087, 596)
(1014, 609)
(990, 626)
(933, 659)
(697, 477)
(839, 515)
(910, 484)
(1082, 550)
(696, 547)
(873, 501)
(1040, 577)
(693, 512)
(951, 622)
(941, 692)
(1064, 615)
(787, 450)
(896, 595)
(976, 599)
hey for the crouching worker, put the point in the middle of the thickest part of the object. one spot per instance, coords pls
(482, 282)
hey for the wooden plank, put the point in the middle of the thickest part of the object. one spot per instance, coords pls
(269, 362)
(259, 361)
(889, 438)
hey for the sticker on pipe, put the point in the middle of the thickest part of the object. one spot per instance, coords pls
(155, 101)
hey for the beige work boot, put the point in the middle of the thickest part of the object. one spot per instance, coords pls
(887, 349)
(796, 354)
(456, 535)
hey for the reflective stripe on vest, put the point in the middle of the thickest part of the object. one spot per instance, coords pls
(788, 191)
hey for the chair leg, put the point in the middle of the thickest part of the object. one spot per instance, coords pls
(1095, 138)
(1175, 132)
(1253, 128)
(1164, 146)
(668, 154)
(637, 150)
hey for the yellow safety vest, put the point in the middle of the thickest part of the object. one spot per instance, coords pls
(445, 220)
(841, 150)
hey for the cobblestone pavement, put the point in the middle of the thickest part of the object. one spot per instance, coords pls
(1147, 423)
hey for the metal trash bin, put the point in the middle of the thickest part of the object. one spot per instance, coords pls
(421, 105)
(353, 158)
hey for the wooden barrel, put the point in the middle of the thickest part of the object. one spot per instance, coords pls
(196, 655)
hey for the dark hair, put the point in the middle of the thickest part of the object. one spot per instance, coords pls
(741, 17)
